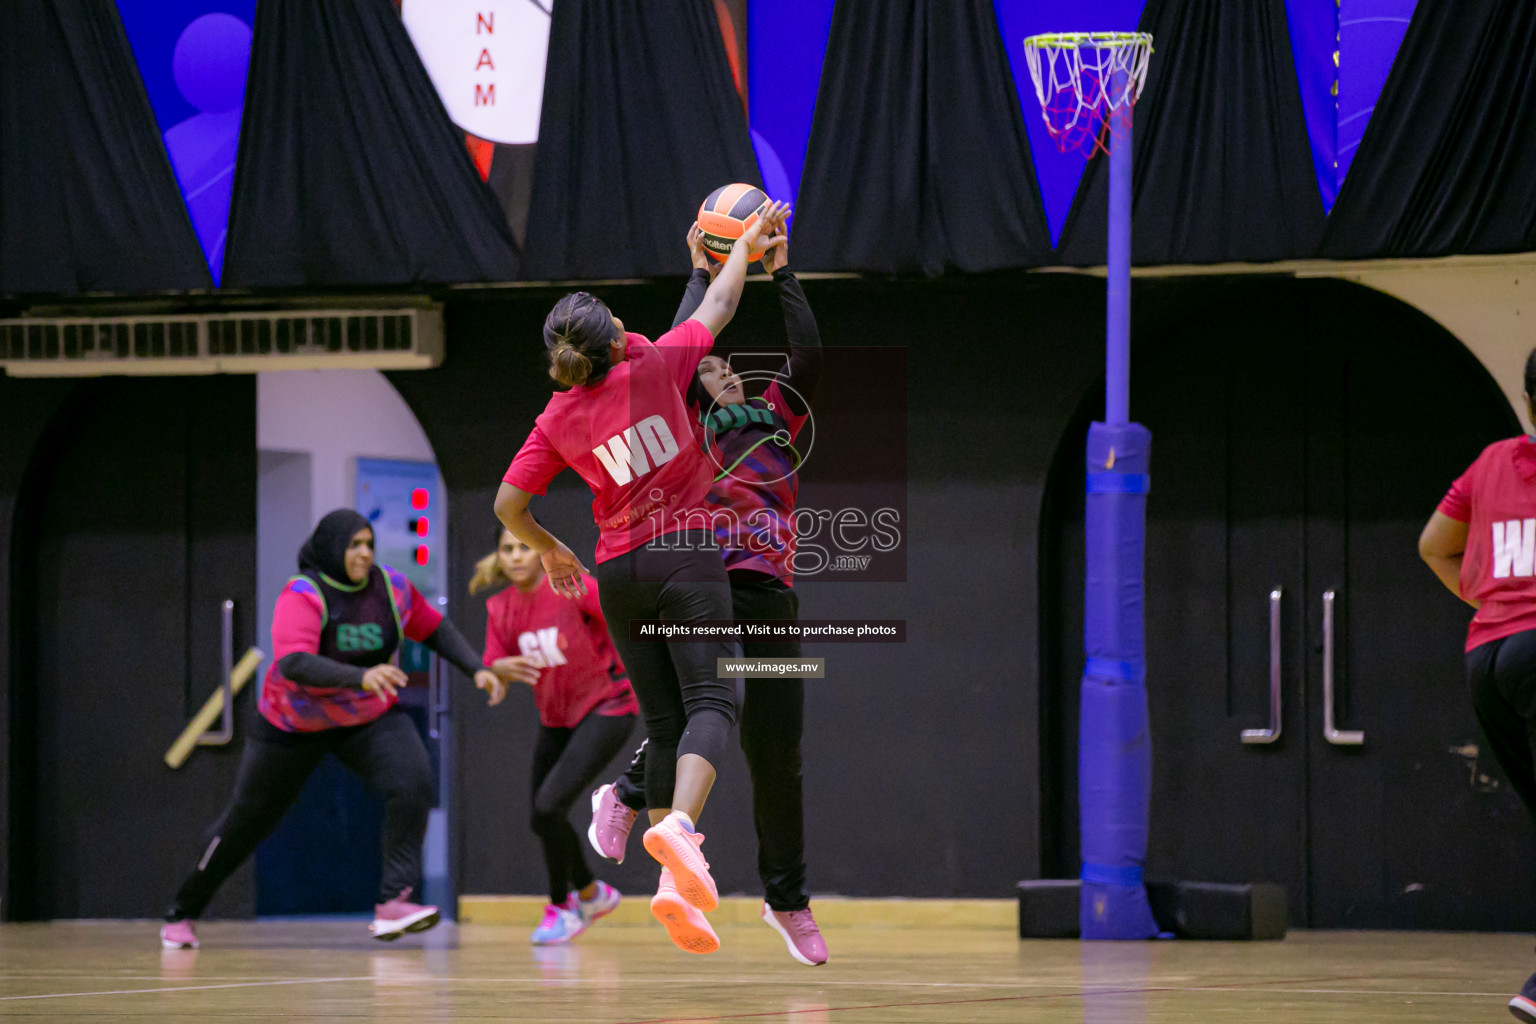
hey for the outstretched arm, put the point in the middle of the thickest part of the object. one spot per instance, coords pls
(705, 267)
(800, 326)
(722, 297)
(447, 642)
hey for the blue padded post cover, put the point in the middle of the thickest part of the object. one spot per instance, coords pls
(1114, 746)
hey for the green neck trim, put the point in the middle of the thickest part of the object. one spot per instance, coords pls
(325, 611)
(794, 457)
(351, 588)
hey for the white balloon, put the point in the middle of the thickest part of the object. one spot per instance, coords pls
(486, 58)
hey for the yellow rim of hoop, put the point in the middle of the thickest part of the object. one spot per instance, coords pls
(1107, 40)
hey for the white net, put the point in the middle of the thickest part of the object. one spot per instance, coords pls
(1082, 78)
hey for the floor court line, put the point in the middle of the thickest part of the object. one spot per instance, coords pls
(1268, 986)
(1395, 993)
(183, 988)
(673, 981)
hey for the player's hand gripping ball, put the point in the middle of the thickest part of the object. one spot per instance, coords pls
(726, 215)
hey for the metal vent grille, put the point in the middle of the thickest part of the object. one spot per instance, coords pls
(222, 343)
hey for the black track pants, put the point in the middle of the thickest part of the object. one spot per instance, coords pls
(688, 709)
(386, 753)
(772, 722)
(565, 764)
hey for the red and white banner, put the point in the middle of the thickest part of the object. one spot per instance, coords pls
(486, 58)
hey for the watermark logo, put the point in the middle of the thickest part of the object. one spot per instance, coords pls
(772, 508)
(772, 411)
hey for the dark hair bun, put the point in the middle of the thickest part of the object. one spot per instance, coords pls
(577, 333)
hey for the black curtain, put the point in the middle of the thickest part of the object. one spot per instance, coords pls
(918, 160)
(1448, 162)
(350, 171)
(88, 201)
(1223, 170)
(641, 121)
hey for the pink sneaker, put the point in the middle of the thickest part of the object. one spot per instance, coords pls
(611, 822)
(399, 916)
(676, 846)
(178, 935)
(560, 925)
(800, 934)
(605, 902)
(686, 927)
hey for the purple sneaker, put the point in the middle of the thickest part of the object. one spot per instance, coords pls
(178, 935)
(400, 916)
(611, 822)
(800, 934)
(599, 906)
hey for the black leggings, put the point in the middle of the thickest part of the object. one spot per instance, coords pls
(688, 709)
(386, 753)
(772, 722)
(565, 764)
(1502, 674)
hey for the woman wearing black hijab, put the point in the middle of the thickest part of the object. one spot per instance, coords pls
(331, 689)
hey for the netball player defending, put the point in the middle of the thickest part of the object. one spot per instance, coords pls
(757, 485)
(623, 427)
(586, 708)
(1479, 543)
(332, 690)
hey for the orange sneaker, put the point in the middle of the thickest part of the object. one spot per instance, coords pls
(676, 846)
(686, 927)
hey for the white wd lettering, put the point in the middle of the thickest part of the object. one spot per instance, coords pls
(542, 647)
(625, 455)
(1514, 545)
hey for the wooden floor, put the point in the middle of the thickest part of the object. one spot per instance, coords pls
(331, 971)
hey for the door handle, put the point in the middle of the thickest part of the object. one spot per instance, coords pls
(1272, 733)
(1331, 732)
(438, 687)
(439, 695)
(226, 730)
(434, 673)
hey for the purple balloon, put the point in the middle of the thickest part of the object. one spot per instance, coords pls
(210, 61)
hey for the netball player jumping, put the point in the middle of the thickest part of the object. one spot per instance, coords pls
(1479, 543)
(624, 428)
(756, 485)
(561, 649)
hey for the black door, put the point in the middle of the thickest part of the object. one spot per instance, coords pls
(1411, 828)
(138, 522)
(1223, 532)
(1270, 402)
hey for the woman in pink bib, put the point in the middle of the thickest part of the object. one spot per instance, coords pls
(1479, 543)
(624, 427)
(561, 649)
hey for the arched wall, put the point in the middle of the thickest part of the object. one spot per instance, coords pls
(1163, 309)
(26, 409)
(336, 416)
(999, 365)
(327, 419)
(1489, 303)
(998, 368)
